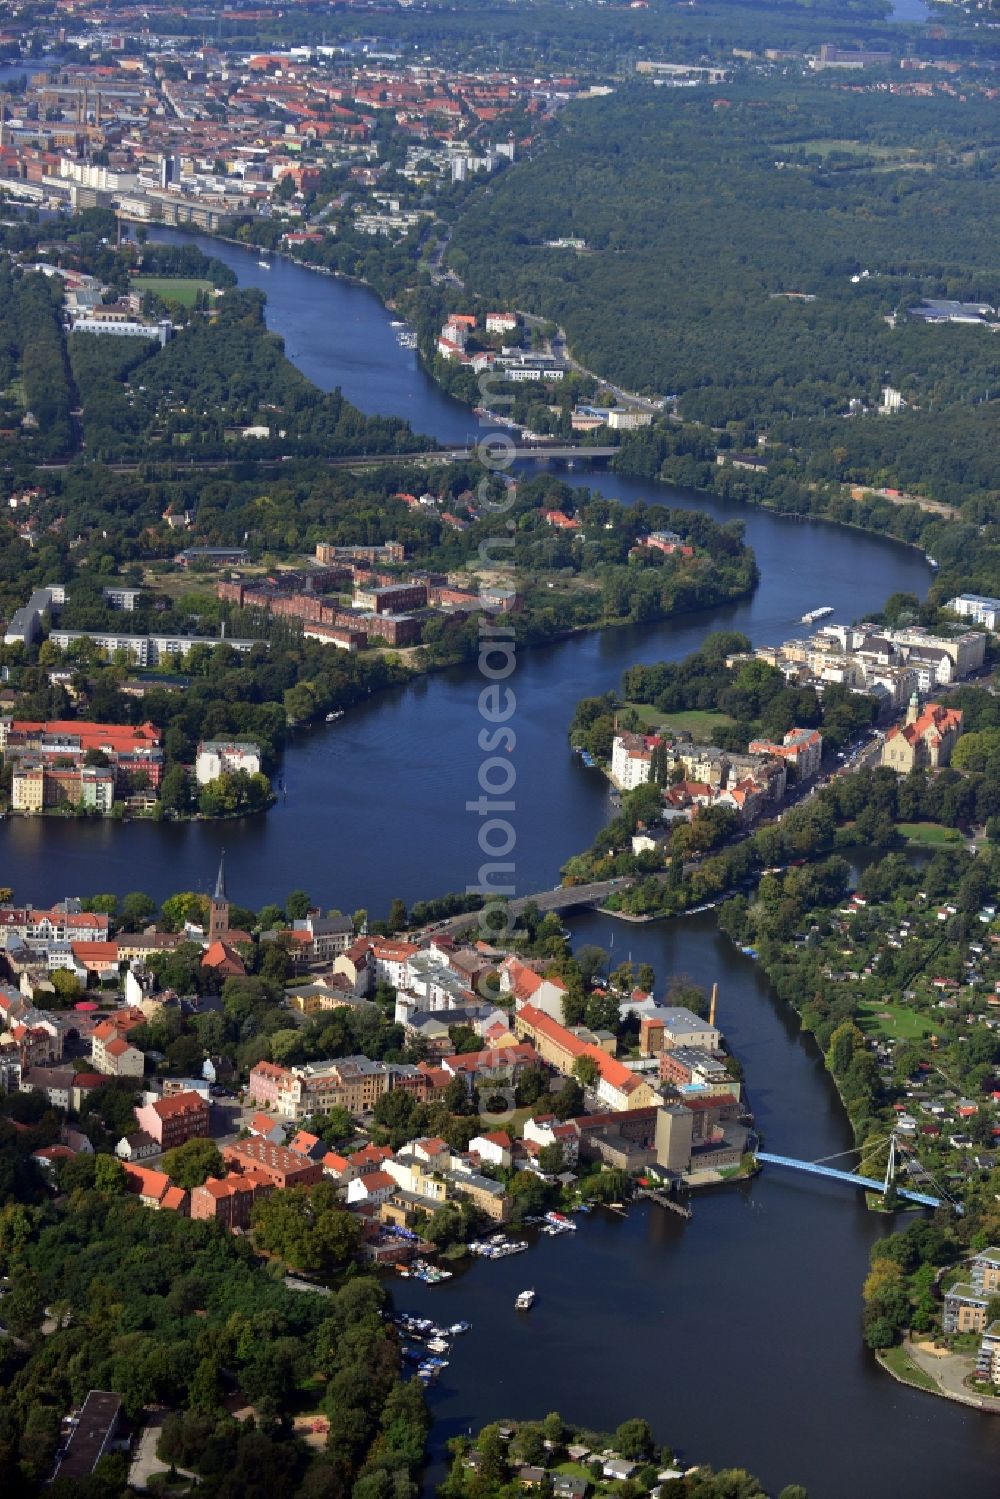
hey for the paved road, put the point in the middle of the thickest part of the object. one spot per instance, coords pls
(145, 1463)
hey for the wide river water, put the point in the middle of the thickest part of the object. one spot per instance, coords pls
(736, 1333)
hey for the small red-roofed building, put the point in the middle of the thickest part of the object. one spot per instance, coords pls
(494, 1148)
(432, 1150)
(48, 1157)
(371, 1189)
(223, 960)
(113, 1055)
(305, 1144)
(148, 1185)
(561, 520)
(370, 1158)
(525, 985)
(337, 1168)
(98, 960)
(267, 1128)
(176, 1200)
(357, 965)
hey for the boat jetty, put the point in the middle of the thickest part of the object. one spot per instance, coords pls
(436, 1342)
(497, 1247)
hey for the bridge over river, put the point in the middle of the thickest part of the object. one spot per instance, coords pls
(816, 1168)
(562, 898)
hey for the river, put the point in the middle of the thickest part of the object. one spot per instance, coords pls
(413, 753)
(736, 1334)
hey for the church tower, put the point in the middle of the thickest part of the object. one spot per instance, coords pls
(913, 711)
(218, 914)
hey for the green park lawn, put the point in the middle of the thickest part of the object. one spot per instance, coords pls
(182, 289)
(899, 1362)
(895, 1022)
(512, 1121)
(932, 834)
(700, 723)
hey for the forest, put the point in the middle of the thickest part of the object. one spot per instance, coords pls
(722, 236)
(172, 1312)
(36, 393)
(211, 379)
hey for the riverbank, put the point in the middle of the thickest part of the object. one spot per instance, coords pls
(746, 500)
(935, 1371)
(801, 1244)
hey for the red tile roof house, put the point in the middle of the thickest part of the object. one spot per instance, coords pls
(374, 1187)
(305, 1144)
(49, 1156)
(224, 960)
(337, 1168)
(99, 959)
(268, 1128)
(500, 1065)
(526, 985)
(370, 1158)
(495, 1148)
(171, 1121)
(154, 1189)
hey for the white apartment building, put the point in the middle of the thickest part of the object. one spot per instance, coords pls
(632, 760)
(978, 607)
(218, 757)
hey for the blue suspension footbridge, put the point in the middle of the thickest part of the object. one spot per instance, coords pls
(855, 1179)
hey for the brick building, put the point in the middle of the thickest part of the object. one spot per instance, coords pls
(171, 1121)
(281, 1167)
(229, 1202)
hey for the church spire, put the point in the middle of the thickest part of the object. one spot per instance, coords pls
(218, 909)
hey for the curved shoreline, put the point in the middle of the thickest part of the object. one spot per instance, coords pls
(986, 1405)
(361, 284)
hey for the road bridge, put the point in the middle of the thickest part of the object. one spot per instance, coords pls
(536, 452)
(562, 898)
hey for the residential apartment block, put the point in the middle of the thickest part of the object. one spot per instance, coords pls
(216, 757)
(171, 1121)
(352, 1083)
(978, 607)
